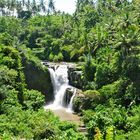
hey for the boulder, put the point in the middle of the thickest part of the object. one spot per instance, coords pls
(78, 99)
(67, 96)
(75, 75)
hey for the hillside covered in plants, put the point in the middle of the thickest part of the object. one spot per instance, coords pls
(104, 36)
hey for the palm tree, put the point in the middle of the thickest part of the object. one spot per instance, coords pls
(51, 7)
(34, 7)
(42, 6)
(23, 2)
(19, 7)
(2, 6)
(12, 6)
(28, 5)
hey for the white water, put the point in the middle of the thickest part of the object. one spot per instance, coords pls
(70, 106)
(60, 81)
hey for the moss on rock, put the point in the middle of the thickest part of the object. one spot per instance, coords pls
(37, 77)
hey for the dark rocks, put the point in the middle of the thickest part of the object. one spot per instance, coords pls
(75, 78)
(78, 99)
(67, 97)
(79, 96)
(38, 78)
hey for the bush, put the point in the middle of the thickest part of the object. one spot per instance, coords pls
(104, 75)
(105, 119)
(33, 99)
(9, 99)
(92, 94)
(89, 68)
(67, 125)
(8, 76)
(93, 98)
(10, 57)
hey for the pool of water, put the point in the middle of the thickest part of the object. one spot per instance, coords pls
(65, 115)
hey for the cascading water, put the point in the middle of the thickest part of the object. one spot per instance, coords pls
(62, 106)
(60, 81)
(70, 106)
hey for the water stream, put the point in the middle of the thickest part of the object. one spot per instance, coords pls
(59, 78)
(70, 106)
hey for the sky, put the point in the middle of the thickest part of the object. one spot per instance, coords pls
(67, 6)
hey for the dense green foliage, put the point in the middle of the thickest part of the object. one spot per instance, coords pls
(21, 112)
(104, 36)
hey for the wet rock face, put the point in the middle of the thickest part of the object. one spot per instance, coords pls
(75, 77)
(79, 99)
(67, 97)
(38, 78)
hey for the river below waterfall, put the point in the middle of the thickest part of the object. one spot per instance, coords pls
(64, 115)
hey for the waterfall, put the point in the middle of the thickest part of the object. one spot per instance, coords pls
(59, 77)
(70, 106)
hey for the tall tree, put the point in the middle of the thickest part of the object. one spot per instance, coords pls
(2, 6)
(34, 7)
(42, 5)
(51, 7)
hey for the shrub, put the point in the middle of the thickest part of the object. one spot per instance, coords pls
(92, 94)
(104, 75)
(33, 99)
(105, 119)
(89, 68)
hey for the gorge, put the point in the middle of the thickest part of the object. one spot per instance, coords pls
(70, 76)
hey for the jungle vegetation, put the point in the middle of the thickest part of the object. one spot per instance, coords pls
(103, 35)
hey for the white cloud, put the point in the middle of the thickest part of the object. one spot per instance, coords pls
(67, 6)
